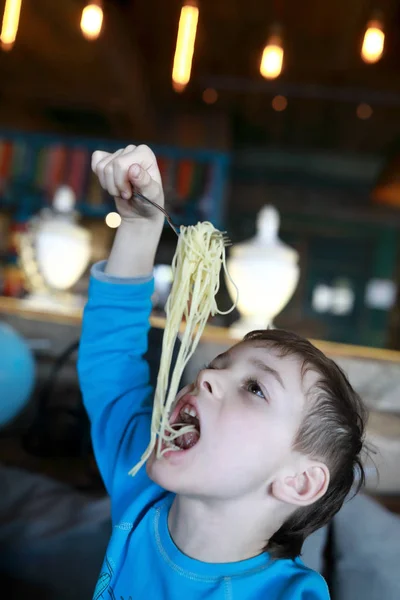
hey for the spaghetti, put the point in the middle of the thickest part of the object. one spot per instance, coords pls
(196, 267)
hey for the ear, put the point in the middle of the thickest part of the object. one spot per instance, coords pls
(303, 488)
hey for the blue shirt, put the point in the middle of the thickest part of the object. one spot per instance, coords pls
(142, 562)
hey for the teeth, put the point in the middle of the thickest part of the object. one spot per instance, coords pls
(171, 445)
(189, 410)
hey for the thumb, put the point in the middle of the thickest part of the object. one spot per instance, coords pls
(142, 181)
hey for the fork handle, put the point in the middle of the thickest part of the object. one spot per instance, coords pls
(166, 215)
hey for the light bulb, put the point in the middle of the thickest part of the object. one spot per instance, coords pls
(113, 220)
(9, 28)
(364, 111)
(272, 58)
(279, 103)
(185, 45)
(373, 43)
(210, 96)
(92, 20)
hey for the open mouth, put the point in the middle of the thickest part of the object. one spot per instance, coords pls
(184, 415)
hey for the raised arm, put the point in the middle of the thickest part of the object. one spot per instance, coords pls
(114, 376)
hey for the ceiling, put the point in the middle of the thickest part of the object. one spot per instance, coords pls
(121, 84)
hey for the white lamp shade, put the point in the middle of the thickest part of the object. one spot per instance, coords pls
(63, 252)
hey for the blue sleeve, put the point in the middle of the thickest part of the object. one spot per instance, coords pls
(306, 585)
(114, 378)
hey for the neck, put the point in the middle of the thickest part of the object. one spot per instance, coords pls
(222, 532)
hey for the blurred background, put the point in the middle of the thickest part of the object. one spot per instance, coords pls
(279, 122)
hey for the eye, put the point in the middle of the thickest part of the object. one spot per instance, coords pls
(254, 388)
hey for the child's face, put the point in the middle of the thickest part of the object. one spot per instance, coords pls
(250, 403)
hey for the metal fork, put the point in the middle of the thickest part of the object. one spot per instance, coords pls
(166, 215)
(175, 229)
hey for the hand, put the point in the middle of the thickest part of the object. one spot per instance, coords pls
(129, 169)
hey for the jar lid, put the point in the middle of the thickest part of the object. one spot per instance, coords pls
(266, 242)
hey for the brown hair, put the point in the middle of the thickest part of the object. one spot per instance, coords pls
(332, 431)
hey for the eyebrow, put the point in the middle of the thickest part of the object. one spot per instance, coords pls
(222, 360)
(225, 359)
(267, 369)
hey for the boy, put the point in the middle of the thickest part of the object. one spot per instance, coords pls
(281, 432)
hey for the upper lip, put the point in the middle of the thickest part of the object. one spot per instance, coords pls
(187, 398)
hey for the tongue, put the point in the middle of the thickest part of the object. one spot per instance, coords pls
(187, 440)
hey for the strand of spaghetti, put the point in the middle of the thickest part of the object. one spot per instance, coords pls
(196, 266)
(188, 345)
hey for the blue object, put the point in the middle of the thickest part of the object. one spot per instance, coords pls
(142, 560)
(17, 373)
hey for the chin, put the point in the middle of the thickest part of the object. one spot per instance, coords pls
(168, 474)
(157, 474)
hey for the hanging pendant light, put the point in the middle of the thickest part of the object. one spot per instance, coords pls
(185, 45)
(272, 56)
(374, 41)
(92, 20)
(9, 28)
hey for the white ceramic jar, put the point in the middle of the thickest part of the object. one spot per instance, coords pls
(266, 272)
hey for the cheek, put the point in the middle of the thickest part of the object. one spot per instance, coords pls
(250, 438)
(239, 435)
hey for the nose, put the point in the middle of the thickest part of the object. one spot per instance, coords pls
(210, 381)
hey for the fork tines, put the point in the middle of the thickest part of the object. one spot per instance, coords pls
(226, 239)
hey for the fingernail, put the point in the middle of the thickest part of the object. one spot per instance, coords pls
(126, 195)
(135, 170)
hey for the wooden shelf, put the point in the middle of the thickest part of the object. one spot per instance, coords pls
(217, 335)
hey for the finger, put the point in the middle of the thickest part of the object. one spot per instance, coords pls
(108, 170)
(145, 158)
(98, 156)
(100, 169)
(144, 183)
(121, 173)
